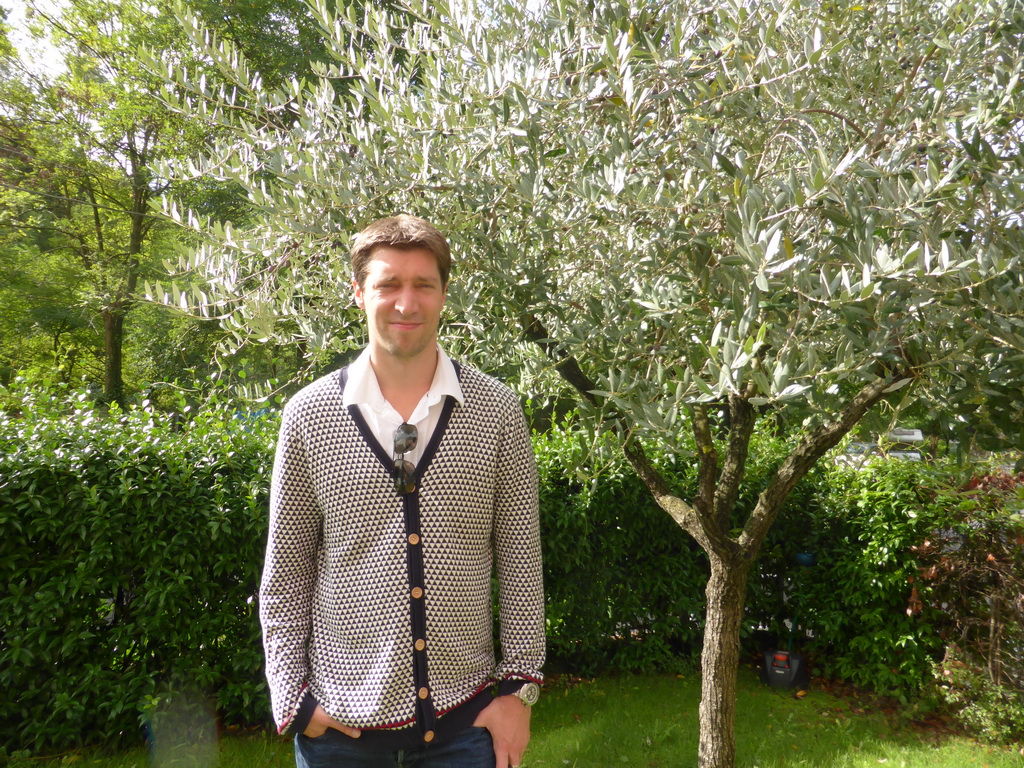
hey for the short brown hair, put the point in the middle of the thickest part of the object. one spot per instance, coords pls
(404, 232)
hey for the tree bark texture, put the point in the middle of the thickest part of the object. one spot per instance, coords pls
(113, 346)
(726, 594)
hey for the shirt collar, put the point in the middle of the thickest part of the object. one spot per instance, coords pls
(362, 388)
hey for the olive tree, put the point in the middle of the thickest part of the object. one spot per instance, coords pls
(698, 215)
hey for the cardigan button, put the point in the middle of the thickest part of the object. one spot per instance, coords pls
(421, 644)
(428, 736)
(417, 592)
(423, 693)
(414, 539)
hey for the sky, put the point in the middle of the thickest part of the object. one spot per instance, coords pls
(37, 55)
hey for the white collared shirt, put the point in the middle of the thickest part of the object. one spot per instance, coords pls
(363, 390)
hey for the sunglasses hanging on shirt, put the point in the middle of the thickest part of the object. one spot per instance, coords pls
(405, 441)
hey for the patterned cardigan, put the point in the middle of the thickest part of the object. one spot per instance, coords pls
(378, 606)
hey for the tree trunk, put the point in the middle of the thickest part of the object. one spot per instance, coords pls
(118, 307)
(113, 344)
(726, 594)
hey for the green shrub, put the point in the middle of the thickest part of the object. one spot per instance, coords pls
(131, 544)
(972, 575)
(624, 584)
(917, 559)
(858, 604)
(990, 709)
(776, 593)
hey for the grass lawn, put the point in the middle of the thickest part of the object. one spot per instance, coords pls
(651, 722)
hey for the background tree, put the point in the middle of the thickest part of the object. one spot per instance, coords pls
(39, 316)
(81, 148)
(699, 217)
(281, 39)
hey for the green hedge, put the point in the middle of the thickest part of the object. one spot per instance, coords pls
(133, 543)
(132, 546)
(624, 584)
(858, 592)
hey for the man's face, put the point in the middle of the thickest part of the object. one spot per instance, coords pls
(402, 296)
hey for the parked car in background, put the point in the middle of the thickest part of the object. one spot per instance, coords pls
(899, 445)
(857, 454)
(903, 444)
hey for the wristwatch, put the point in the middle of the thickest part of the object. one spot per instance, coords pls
(528, 694)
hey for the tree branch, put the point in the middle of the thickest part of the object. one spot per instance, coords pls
(570, 370)
(836, 115)
(814, 445)
(565, 363)
(875, 142)
(741, 426)
(707, 460)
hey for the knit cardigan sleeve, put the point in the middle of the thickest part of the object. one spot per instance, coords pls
(518, 556)
(286, 589)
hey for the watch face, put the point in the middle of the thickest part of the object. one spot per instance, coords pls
(529, 694)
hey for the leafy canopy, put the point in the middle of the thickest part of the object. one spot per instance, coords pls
(779, 202)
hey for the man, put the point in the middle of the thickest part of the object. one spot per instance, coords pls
(399, 483)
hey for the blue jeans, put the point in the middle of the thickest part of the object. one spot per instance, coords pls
(472, 748)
